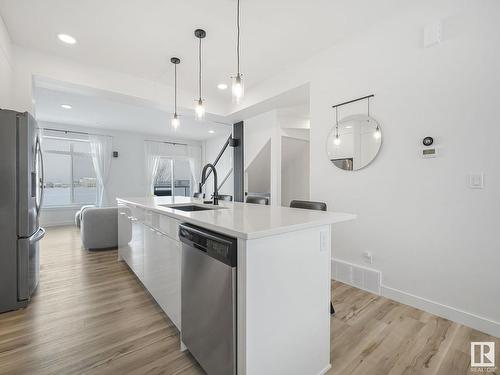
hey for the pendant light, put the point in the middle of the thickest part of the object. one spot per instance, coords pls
(337, 140)
(376, 133)
(175, 119)
(200, 105)
(237, 86)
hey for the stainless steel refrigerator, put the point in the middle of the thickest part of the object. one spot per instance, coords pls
(21, 193)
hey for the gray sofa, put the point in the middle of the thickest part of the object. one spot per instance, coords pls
(99, 227)
(78, 215)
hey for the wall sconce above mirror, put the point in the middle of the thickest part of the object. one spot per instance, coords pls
(354, 141)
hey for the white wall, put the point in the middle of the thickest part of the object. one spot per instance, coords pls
(127, 176)
(294, 170)
(211, 149)
(5, 67)
(430, 235)
(433, 239)
(259, 130)
(31, 63)
(258, 173)
(270, 128)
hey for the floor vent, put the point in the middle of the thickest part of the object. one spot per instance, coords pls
(360, 277)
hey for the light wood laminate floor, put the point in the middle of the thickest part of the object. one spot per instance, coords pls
(91, 316)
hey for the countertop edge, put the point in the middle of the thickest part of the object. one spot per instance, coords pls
(242, 235)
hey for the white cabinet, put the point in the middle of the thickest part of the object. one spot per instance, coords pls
(171, 290)
(131, 239)
(136, 262)
(154, 254)
(162, 265)
(169, 226)
(124, 233)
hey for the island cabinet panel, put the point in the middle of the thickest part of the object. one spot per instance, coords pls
(137, 212)
(124, 233)
(284, 288)
(137, 248)
(162, 272)
(153, 252)
(169, 226)
(148, 218)
(168, 283)
(131, 239)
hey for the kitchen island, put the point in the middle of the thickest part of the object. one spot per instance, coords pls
(282, 274)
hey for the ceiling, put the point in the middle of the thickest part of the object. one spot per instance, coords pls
(138, 37)
(107, 112)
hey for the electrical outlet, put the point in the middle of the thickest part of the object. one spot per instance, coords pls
(368, 257)
(476, 181)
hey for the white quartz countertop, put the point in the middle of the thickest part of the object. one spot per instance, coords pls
(242, 220)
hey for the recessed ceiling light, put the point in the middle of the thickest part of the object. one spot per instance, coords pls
(348, 127)
(66, 106)
(222, 86)
(65, 38)
(211, 131)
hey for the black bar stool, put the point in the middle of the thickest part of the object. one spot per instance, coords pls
(257, 200)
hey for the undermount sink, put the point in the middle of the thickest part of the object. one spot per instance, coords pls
(192, 207)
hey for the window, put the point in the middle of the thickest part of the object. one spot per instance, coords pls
(177, 170)
(70, 178)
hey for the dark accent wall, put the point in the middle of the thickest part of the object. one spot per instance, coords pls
(239, 163)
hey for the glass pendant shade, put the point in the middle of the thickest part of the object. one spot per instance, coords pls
(337, 141)
(200, 110)
(238, 88)
(175, 121)
(200, 105)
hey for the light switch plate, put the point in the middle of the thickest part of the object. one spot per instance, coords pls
(323, 241)
(432, 33)
(476, 181)
(368, 257)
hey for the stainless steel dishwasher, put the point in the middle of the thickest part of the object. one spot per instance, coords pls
(208, 298)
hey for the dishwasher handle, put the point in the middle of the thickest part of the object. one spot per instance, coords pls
(199, 247)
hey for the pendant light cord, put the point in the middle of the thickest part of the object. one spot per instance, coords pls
(199, 75)
(336, 122)
(238, 37)
(175, 89)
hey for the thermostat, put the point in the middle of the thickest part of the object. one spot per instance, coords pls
(428, 141)
(429, 153)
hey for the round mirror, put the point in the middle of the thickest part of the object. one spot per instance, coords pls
(354, 143)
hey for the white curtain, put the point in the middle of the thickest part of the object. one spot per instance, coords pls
(156, 150)
(101, 151)
(153, 154)
(194, 157)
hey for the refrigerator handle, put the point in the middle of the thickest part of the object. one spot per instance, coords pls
(40, 233)
(41, 182)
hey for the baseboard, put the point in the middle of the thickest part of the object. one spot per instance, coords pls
(357, 276)
(325, 370)
(468, 319)
(58, 224)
